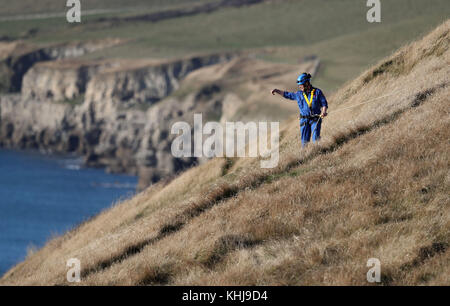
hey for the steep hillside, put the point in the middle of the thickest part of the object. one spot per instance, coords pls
(376, 185)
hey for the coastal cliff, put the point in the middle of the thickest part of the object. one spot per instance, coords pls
(101, 110)
(118, 113)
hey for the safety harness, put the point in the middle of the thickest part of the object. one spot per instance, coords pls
(309, 102)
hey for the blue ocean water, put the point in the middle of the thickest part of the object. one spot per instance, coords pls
(44, 195)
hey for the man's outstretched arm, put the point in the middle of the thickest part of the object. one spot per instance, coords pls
(284, 94)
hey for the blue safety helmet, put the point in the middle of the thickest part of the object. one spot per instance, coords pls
(303, 78)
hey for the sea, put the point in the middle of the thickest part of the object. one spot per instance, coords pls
(42, 196)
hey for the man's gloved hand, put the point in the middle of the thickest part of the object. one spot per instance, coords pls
(277, 91)
(323, 112)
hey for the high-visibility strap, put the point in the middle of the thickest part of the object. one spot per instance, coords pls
(309, 102)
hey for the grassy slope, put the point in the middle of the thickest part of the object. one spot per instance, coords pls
(376, 185)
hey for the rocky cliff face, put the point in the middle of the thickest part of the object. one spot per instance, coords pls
(142, 83)
(132, 130)
(103, 110)
(61, 80)
(16, 58)
(28, 124)
(154, 158)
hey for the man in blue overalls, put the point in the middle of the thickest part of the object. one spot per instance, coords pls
(312, 104)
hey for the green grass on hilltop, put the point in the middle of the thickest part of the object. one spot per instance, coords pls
(336, 31)
(24, 7)
(344, 57)
(280, 23)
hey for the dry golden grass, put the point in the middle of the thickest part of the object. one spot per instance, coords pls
(376, 185)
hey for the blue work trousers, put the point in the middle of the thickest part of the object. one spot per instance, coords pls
(308, 127)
